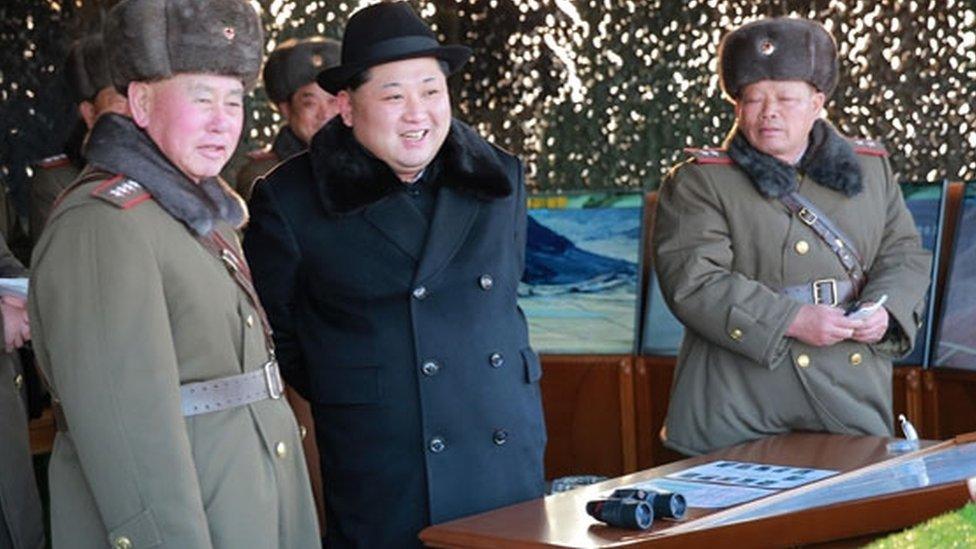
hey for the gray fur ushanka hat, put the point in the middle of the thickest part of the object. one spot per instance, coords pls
(781, 48)
(296, 63)
(150, 40)
(87, 68)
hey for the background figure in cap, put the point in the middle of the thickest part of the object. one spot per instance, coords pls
(289, 80)
(388, 256)
(738, 250)
(171, 427)
(89, 77)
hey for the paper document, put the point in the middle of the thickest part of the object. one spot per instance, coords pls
(706, 496)
(758, 475)
(14, 286)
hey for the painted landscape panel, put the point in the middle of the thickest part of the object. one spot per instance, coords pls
(582, 267)
(926, 202)
(955, 345)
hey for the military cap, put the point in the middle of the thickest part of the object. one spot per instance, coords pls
(781, 48)
(87, 68)
(155, 39)
(296, 63)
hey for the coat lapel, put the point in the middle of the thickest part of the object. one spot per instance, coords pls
(400, 223)
(453, 216)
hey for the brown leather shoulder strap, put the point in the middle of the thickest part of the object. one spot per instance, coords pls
(237, 267)
(836, 240)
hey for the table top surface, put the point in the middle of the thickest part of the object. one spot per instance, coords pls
(561, 519)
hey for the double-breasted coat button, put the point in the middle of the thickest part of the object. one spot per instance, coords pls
(499, 436)
(803, 361)
(281, 449)
(420, 292)
(496, 360)
(486, 282)
(736, 334)
(249, 320)
(19, 381)
(801, 247)
(436, 445)
(856, 359)
(430, 368)
(122, 542)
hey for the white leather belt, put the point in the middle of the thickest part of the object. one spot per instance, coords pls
(232, 391)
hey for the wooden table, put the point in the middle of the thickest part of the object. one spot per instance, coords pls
(560, 520)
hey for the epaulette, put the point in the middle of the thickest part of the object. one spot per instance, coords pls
(121, 192)
(709, 156)
(868, 147)
(261, 154)
(55, 161)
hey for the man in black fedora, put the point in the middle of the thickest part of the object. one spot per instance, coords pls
(388, 258)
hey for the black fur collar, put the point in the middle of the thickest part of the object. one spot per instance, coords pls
(350, 178)
(117, 145)
(829, 160)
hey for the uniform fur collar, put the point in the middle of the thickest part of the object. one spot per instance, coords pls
(829, 160)
(350, 177)
(117, 145)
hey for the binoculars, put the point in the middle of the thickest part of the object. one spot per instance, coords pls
(635, 508)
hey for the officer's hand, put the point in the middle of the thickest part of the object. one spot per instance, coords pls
(822, 325)
(874, 327)
(16, 328)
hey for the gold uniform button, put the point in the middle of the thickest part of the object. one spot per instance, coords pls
(19, 381)
(736, 334)
(856, 359)
(302, 431)
(249, 320)
(122, 542)
(281, 449)
(802, 247)
(803, 361)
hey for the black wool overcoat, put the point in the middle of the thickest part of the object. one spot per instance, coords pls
(403, 332)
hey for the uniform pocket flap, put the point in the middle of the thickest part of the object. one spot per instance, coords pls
(140, 531)
(346, 385)
(533, 368)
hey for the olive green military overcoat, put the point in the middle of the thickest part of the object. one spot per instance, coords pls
(51, 177)
(722, 251)
(21, 520)
(259, 163)
(126, 305)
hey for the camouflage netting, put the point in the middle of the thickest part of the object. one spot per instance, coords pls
(592, 94)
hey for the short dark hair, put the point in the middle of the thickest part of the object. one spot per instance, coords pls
(362, 77)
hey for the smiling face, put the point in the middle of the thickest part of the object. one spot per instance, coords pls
(401, 114)
(308, 109)
(194, 119)
(776, 116)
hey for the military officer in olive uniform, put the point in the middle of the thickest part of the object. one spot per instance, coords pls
(289, 80)
(389, 255)
(88, 73)
(172, 429)
(762, 245)
(21, 520)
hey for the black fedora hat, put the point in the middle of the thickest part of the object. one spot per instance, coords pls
(384, 32)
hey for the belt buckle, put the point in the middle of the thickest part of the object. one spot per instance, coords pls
(807, 216)
(272, 378)
(831, 284)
